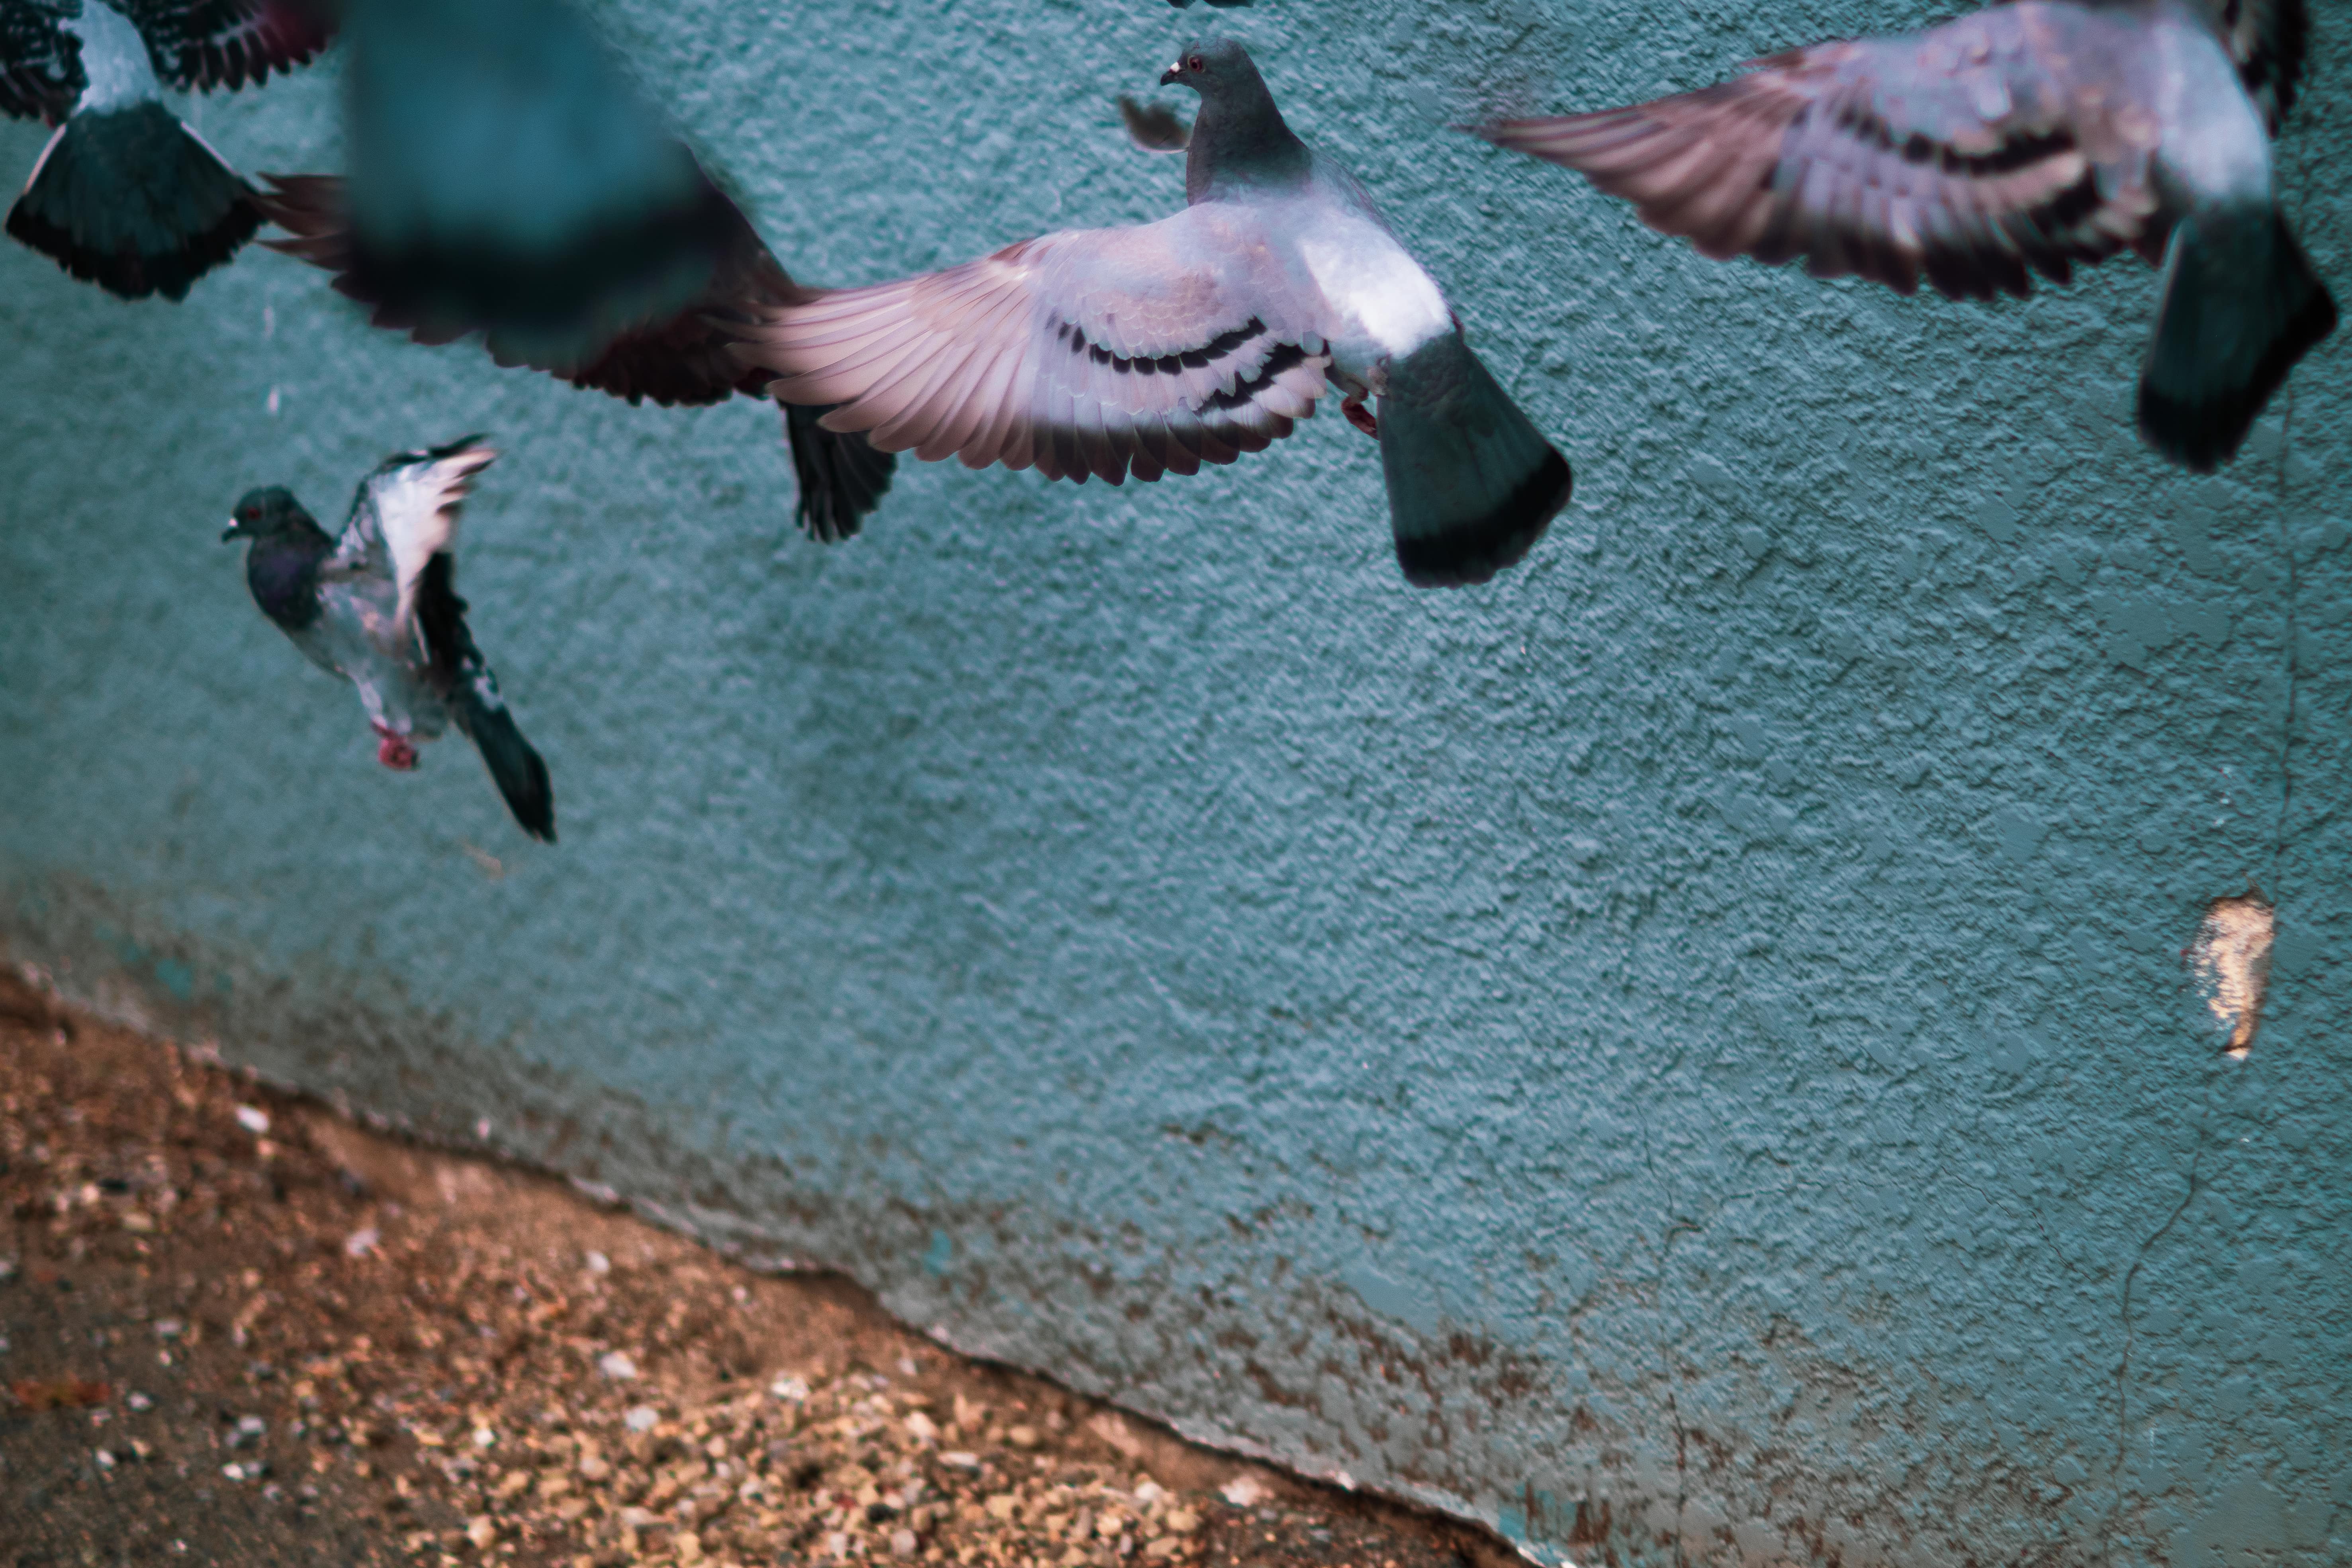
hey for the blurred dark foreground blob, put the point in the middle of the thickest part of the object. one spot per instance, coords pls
(508, 178)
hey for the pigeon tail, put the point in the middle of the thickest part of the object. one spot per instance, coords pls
(456, 668)
(841, 475)
(2241, 305)
(133, 201)
(1472, 483)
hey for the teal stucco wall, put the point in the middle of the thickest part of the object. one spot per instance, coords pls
(1680, 1053)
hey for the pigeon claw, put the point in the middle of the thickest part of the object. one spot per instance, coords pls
(1360, 417)
(393, 749)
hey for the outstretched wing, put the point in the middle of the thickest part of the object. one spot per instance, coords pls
(404, 514)
(203, 43)
(2019, 138)
(2268, 39)
(1100, 351)
(40, 62)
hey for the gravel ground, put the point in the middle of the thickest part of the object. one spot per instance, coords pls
(236, 1329)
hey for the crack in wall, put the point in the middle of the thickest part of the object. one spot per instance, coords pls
(2294, 586)
(2131, 1277)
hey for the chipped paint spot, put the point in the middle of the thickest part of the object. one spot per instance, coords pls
(2231, 960)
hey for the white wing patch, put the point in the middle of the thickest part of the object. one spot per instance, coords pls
(408, 509)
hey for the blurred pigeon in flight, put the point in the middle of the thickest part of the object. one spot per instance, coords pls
(506, 176)
(2029, 136)
(509, 179)
(380, 608)
(1190, 341)
(124, 196)
(681, 358)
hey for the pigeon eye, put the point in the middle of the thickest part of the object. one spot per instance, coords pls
(1192, 64)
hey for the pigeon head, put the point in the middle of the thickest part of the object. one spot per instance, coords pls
(267, 514)
(1215, 68)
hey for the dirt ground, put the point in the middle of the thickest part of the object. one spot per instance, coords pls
(235, 1329)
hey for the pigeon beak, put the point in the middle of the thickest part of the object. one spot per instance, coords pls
(1168, 78)
(231, 531)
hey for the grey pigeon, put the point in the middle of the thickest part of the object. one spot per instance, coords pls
(125, 196)
(1190, 341)
(380, 608)
(678, 359)
(2020, 139)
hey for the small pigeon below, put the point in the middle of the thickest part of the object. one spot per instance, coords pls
(1157, 348)
(2020, 139)
(124, 196)
(680, 359)
(380, 608)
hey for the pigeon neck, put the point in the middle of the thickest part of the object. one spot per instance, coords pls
(1240, 143)
(282, 570)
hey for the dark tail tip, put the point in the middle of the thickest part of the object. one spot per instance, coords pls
(1460, 557)
(2202, 434)
(841, 475)
(519, 772)
(2241, 305)
(133, 201)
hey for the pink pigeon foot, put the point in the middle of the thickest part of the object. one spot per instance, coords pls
(1360, 417)
(393, 750)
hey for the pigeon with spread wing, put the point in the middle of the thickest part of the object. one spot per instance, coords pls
(380, 608)
(2019, 140)
(124, 195)
(1157, 348)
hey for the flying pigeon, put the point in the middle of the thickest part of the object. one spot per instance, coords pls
(2020, 139)
(678, 359)
(1190, 341)
(380, 608)
(124, 196)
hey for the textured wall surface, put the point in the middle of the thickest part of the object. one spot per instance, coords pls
(1681, 1053)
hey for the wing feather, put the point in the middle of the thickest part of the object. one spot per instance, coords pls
(405, 513)
(1976, 153)
(40, 61)
(1101, 353)
(2270, 40)
(198, 45)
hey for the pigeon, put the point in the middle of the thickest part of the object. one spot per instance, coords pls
(1159, 347)
(380, 608)
(679, 359)
(2020, 139)
(124, 196)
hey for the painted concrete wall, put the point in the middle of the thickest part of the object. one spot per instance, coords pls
(1681, 1053)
